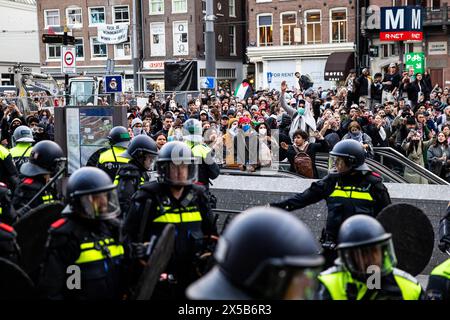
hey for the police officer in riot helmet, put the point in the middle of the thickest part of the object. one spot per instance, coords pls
(193, 136)
(366, 269)
(439, 281)
(23, 142)
(110, 160)
(350, 188)
(87, 237)
(46, 159)
(8, 245)
(142, 153)
(265, 253)
(173, 199)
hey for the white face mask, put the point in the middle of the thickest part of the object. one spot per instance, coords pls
(137, 131)
(263, 131)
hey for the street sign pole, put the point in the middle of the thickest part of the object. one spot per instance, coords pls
(401, 52)
(66, 75)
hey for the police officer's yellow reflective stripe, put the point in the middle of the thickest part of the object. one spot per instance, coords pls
(199, 150)
(1, 210)
(90, 253)
(116, 181)
(442, 270)
(336, 284)
(108, 156)
(179, 218)
(351, 192)
(47, 198)
(4, 153)
(19, 150)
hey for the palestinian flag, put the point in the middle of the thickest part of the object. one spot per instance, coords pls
(243, 91)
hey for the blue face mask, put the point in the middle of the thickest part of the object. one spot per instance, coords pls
(301, 111)
(246, 127)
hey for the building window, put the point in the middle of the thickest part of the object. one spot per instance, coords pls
(74, 17)
(204, 6)
(96, 15)
(393, 49)
(122, 50)
(79, 49)
(232, 37)
(53, 51)
(179, 6)
(265, 30)
(121, 14)
(180, 38)
(338, 25)
(435, 5)
(51, 18)
(232, 8)
(384, 51)
(288, 24)
(156, 6)
(98, 50)
(313, 27)
(157, 39)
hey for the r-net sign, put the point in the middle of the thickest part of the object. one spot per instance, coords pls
(415, 60)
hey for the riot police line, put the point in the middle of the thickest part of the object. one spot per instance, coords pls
(165, 245)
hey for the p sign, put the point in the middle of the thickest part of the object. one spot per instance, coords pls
(68, 63)
(401, 23)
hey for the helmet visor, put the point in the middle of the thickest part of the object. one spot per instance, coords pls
(182, 174)
(286, 282)
(100, 206)
(364, 261)
(338, 164)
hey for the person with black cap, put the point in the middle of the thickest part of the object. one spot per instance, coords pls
(253, 265)
(46, 159)
(86, 238)
(142, 153)
(110, 159)
(366, 250)
(350, 188)
(173, 199)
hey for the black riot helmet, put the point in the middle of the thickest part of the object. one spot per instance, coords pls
(143, 150)
(46, 157)
(119, 137)
(265, 253)
(353, 153)
(362, 244)
(92, 194)
(176, 165)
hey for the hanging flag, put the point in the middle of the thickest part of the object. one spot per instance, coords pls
(242, 91)
(112, 33)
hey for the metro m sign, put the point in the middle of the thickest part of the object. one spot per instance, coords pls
(401, 23)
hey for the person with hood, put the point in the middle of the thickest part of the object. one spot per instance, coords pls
(228, 143)
(438, 156)
(12, 118)
(302, 118)
(246, 145)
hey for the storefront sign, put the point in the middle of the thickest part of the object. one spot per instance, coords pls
(437, 48)
(153, 65)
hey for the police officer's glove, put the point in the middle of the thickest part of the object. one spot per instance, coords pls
(139, 250)
(444, 244)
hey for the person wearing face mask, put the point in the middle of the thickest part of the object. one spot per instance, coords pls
(142, 153)
(302, 117)
(137, 127)
(355, 133)
(228, 143)
(173, 199)
(438, 155)
(350, 188)
(246, 145)
(12, 118)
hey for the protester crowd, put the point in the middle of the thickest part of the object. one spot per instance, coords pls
(403, 111)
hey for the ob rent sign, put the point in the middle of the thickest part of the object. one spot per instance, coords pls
(401, 23)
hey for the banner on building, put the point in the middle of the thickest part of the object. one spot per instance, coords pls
(401, 23)
(112, 33)
(415, 60)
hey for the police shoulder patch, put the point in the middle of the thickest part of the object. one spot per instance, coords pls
(58, 223)
(6, 227)
(28, 181)
(406, 275)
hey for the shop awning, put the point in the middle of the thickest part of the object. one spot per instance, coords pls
(338, 65)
